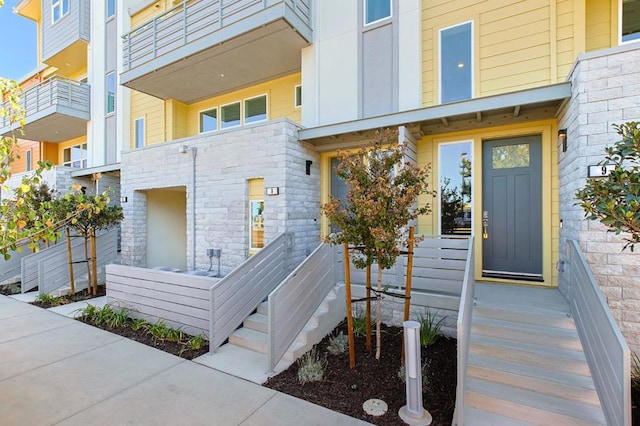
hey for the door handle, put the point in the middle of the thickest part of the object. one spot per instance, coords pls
(485, 224)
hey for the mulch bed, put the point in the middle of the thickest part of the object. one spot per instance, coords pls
(78, 297)
(345, 390)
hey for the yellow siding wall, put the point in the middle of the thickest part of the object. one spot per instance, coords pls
(599, 23)
(169, 120)
(517, 44)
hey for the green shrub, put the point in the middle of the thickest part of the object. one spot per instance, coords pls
(311, 367)
(429, 327)
(52, 300)
(359, 323)
(338, 344)
(196, 342)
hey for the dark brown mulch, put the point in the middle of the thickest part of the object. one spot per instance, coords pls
(77, 297)
(345, 390)
(143, 337)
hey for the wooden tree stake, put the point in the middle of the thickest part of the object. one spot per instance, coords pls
(70, 257)
(407, 288)
(347, 280)
(94, 263)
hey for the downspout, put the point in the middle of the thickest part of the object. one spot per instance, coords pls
(194, 153)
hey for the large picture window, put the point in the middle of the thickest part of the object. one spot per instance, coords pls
(59, 9)
(454, 166)
(376, 10)
(630, 26)
(75, 156)
(255, 109)
(456, 63)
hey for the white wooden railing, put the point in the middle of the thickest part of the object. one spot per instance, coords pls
(192, 20)
(238, 294)
(56, 91)
(11, 268)
(604, 346)
(295, 300)
(464, 330)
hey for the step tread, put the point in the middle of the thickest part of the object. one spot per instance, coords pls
(526, 327)
(479, 417)
(535, 384)
(532, 348)
(535, 400)
(519, 335)
(558, 321)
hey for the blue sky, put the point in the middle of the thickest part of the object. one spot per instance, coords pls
(17, 43)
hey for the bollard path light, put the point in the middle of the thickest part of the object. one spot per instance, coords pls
(413, 413)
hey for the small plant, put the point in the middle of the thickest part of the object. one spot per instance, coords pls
(88, 313)
(429, 327)
(359, 323)
(338, 344)
(158, 330)
(196, 342)
(104, 315)
(138, 324)
(173, 334)
(311, 367)
(118, 318)
(48, 299)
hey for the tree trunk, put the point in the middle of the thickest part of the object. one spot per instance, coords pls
(378, 312)
(368, 313)
(86, 259)
(94, 261)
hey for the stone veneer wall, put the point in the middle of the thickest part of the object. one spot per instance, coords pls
(606, 91)
(225, 160)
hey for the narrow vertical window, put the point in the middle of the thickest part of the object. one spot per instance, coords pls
(28, 160)
(456, 63)
(59, 9)
(298, 96)
(209, 120)
(230, 115)
(376, 10)
(111, 8)
(630, 25)
(256, 214)
(139, 133)
(454, 166)
(111, 92)
(255, 109)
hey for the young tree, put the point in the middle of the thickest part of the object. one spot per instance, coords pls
(382, 200)
(614, 199)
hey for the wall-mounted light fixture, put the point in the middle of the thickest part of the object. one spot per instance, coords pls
(562, 139)
(123, 200)
(308, 167)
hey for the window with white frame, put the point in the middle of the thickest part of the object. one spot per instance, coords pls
(298, 96)
(75, 156)
(456, 63)
(138, 135)
(455, 187)
(59, 9)
(376, 10)
(630, 22)
(230, 115)
(111, 92)
(111, 8)
(209, 120)
(255, 109)
(28, 160)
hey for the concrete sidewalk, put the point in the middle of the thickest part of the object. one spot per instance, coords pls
(55, 370)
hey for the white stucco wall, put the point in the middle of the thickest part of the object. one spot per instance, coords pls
(606, 91)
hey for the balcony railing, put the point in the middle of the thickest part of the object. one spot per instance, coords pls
(57, 95)
(193, 20)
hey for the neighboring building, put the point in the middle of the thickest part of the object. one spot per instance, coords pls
(228, 117)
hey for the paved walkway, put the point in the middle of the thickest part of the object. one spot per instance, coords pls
(57, 371)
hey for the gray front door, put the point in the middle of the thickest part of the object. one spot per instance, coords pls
(512, 208)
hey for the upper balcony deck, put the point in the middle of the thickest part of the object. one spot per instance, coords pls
(56, 110)
(201, 48)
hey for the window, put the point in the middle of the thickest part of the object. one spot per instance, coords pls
(209, 120)
(28, 160)
(255, 109)
(75, 156)
(139, 133)
(456, 63)
(376, 10)
(230, 115)
(111, 8)
(454, 166)
(256, 214)
(298, 96)
(59, 9)
(111, 92)
(630, 22)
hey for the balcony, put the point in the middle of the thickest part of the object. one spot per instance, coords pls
(56, 110)
(202, 48)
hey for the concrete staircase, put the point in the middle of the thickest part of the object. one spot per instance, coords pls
(527, 366)
(245, 354)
